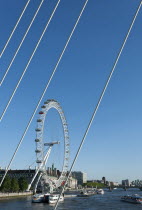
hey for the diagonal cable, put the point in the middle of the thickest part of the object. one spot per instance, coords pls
(14, 28)
(47, 85)
(21, 43)
(11, 97)
(100, 99)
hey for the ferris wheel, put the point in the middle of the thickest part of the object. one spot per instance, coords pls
(42, 146)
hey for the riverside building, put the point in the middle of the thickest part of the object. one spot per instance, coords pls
(28, 174)
(80, 176)
(126, 182)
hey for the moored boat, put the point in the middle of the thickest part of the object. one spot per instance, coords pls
(39, 198)
(91, 192)
(100, 191)
(132, 199)
(52, 198)
(86, 193)
(83, 194)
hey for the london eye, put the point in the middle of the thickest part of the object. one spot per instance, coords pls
(44, 149)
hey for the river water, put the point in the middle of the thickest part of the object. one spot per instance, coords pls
(108, 201)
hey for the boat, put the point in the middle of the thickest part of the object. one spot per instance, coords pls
(39, 198)
(132, 199)
(83, 194)
(91, 192)
(52, 198)
(100, 191)
(47, 198)
(86, 193)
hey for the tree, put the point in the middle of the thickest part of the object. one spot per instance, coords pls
(6, 185)
(94, 184)
(23, 184)
(14, 185)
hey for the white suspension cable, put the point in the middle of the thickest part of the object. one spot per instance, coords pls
(11, 97)
(28, 125)
(33, 162)
(48, 83)
(100, 99)
(35, 187)
(14, 28)
(21, 43)
(43, 164)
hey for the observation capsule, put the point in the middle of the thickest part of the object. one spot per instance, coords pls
(41, 112)
(39, 120)
(37, 140)
(38, 129)
(37, 151)
(46, 102)
(43, 106)
(39, 161)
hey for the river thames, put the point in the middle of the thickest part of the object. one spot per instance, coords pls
(108, 201)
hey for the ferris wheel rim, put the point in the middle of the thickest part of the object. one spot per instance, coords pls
(51, 103)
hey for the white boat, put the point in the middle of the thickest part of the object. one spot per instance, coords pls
(100, 191)
(86, 193)
(83, 194)
(132, 199)
(52, 198)
(91, 192)
(39, 198)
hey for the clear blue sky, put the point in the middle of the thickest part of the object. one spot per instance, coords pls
(113, 145)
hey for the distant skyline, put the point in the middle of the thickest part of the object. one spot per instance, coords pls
(113, 145)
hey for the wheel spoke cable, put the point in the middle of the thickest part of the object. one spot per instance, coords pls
(11, 97)
(21, 43)
(100, 99)
(47, 85)
(14, 28)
